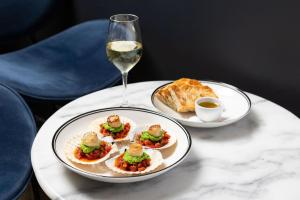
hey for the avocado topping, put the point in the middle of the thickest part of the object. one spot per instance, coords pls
(147, 136)
(135, 159)
(87, 149)
(113, 130)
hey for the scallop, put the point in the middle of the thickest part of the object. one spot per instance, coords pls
(95, 127)
(114, 121)
(135, 149)
(156, 161)
(74, 142)
(138, 131)
(90, 139)
(155, 130)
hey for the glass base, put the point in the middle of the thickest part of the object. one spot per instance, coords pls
(124, 104)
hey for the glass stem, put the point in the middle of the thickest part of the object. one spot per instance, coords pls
(124, 79)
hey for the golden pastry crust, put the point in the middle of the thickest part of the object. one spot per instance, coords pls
(181, 94)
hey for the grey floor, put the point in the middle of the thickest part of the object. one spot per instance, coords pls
(29, 194)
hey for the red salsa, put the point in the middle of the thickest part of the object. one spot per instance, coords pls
(119, 135)
(122, 164)
(157, 144)
(94, 155)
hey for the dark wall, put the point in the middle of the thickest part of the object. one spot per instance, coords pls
(54, 17)
(254, 45)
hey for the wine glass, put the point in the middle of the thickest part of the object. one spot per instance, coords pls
(124, 45)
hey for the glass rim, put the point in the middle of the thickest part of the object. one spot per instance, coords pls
(113, 18)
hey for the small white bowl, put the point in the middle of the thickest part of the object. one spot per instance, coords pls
(208, 114)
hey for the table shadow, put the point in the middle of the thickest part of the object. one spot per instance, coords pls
(239, 130)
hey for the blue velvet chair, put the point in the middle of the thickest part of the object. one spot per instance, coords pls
(17, 131)
(62, 67)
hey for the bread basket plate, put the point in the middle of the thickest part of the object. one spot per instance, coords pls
(236, 103)
(100, 172)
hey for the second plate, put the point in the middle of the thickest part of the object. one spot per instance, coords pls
(237, 105)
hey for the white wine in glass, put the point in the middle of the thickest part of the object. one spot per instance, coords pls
(124, 45)
(124, 54)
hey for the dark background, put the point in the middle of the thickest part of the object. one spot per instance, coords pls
(254, 45)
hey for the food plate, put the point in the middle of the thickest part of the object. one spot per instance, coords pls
(171, 156)
(236, 103)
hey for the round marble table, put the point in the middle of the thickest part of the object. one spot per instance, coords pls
(255, 158)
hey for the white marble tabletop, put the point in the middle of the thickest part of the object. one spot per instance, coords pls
(255, 158)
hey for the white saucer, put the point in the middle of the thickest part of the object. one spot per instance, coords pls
(236, 103)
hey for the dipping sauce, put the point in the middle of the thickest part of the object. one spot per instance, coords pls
(207, 104)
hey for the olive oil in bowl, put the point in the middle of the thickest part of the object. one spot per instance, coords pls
(208, 104)
(208, 109)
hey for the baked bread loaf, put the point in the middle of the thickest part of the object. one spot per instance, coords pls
(181, 94)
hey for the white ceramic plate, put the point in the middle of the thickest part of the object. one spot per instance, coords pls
(237, 105)
(172, 156)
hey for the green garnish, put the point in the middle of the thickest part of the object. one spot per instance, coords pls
(87, 149)
(135, 159)
(147, 136)
(113, 130)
